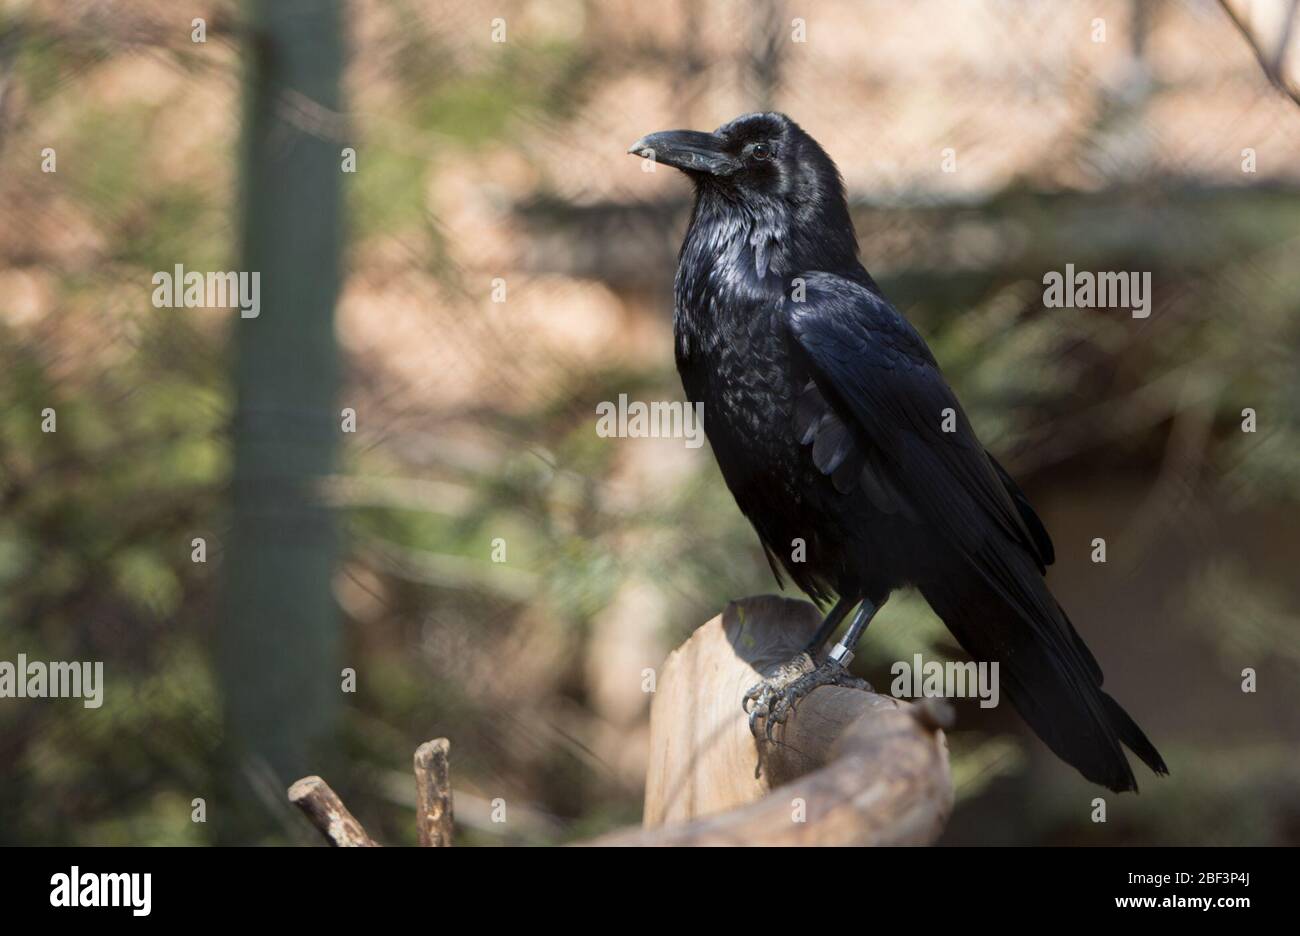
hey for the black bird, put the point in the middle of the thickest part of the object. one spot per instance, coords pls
(834, 427)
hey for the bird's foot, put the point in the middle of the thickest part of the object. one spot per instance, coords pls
(775, 697)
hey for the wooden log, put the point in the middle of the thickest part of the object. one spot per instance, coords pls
(848, 768)
(434, 816)
(328, 814)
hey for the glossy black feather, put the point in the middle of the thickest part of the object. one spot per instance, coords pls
(826, 412)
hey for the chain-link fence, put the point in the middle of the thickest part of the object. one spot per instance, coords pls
(508, 267)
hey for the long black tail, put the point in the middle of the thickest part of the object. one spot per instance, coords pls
(1051, 678)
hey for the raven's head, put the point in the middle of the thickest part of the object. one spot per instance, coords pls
(757, 156)
(777, 175)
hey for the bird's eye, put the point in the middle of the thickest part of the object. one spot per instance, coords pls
(762, 151)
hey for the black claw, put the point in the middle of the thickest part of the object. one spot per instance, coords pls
(775, 699)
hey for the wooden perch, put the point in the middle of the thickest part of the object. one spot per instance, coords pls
(328, 814)
(848, 768)
(433, 812)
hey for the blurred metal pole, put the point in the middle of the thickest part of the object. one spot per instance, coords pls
(278, 647)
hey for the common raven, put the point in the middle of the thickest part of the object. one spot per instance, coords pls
(835, 430)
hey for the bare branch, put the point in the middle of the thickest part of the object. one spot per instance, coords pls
(328, 814)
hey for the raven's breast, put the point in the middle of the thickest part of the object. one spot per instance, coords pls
(745, 375)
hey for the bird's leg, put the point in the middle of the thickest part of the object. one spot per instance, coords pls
(761, 696)
(829, 625)
(775, 698)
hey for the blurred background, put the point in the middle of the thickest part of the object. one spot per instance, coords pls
(503, 267)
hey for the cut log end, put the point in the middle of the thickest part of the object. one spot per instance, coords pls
(848, 767)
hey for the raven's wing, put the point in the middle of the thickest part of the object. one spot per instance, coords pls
(875, 413)
(1042, 541)
(902, 420)
(840, 452)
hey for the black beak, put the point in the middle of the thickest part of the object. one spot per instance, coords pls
(687, 150)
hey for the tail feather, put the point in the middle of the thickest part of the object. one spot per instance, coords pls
(1045, 670)
(1132, 736)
